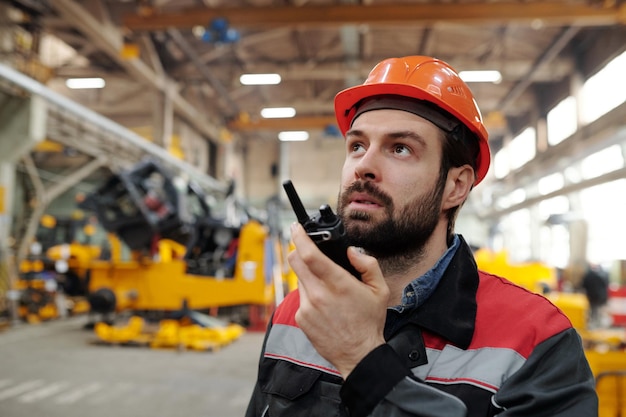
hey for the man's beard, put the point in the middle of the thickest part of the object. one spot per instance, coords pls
(400, 237)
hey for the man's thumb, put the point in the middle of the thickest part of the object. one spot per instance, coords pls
(366, 265)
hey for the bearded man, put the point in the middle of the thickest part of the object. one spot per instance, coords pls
(423, 333)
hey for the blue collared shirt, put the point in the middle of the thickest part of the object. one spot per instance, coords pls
(422, 287)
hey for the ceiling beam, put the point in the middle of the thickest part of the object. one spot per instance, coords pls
(110, 40)
(549, 13)
(553, 50)
(294, 123)
(510, 69)
(312, 123)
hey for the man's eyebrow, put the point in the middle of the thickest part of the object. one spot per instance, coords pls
(394, 135)
(407, 135)
(354, 132)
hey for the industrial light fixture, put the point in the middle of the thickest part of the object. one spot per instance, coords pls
(278, 112)
(293, 136)
(260, 79)
(487, 76)
(82, 83)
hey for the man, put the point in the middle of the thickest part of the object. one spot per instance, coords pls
(423, 333)
(595, 284)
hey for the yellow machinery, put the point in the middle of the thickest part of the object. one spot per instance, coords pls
(44, 292)
(171, 259)
(605, 349)
(37, 301)
(193, 332)
(161, 282)
(72, 250)
(69, 250)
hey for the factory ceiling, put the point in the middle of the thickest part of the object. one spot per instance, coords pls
(194, 51)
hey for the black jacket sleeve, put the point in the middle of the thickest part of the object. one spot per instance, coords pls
(381, 385)
(257, 401)
(555, 381)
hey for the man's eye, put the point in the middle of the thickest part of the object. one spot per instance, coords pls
(356, 147)
(401, 149)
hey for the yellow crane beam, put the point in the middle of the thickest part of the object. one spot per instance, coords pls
(549, 13)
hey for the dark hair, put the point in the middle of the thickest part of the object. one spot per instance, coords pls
(459, 147)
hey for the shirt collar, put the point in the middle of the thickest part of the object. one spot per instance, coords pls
(450, 310)
(422, 287)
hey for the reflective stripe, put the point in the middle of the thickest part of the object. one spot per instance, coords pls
(406, 393)
(486, 368)
(290, 344)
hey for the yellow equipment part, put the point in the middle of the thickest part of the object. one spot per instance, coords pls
(78, 256)
(37, 303)
(167, 336)
(534, 276)
(145, 284)
(31, 265)
(173, 334)
(131, 332)
(609, 368)
(23, 284)
(78, 305)
(290, 276)
(44, 313)
(574, 305)
(49, 311)
(170, 334)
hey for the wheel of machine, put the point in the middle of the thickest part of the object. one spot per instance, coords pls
(102, 301)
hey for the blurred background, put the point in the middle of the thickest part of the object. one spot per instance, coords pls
(144, 144)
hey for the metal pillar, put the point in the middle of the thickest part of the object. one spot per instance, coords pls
(22, 125)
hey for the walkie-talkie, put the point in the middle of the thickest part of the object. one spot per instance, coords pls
(325, 229)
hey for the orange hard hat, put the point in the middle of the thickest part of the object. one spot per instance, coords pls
(422, 78)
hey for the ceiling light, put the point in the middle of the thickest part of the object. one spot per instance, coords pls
(489, 76)
(293, 135)
(259, 79)
(80, 83)
(278, 112)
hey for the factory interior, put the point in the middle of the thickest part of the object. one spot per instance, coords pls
(142, 173)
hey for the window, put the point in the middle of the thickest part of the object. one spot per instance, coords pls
(501, 166)
(604, 91)
(517, 235)
(550, 183)
(603, 206)
(522, 148)
(602, 162)
(562, 121)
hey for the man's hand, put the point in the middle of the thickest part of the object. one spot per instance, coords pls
(343, 317)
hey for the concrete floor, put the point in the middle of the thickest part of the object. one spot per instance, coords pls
(55, 369)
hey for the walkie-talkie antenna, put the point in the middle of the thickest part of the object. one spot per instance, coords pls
(296, 203)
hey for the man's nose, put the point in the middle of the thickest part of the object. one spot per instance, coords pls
(367, 167)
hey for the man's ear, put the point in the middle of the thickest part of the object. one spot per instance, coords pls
(458, 185)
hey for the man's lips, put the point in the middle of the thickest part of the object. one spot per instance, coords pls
(364, 200)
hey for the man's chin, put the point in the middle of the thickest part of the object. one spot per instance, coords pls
(359, 224)
(358, 229)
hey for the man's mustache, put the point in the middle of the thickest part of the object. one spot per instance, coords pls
(368, 188)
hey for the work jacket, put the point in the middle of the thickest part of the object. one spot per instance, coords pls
(478, 346)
